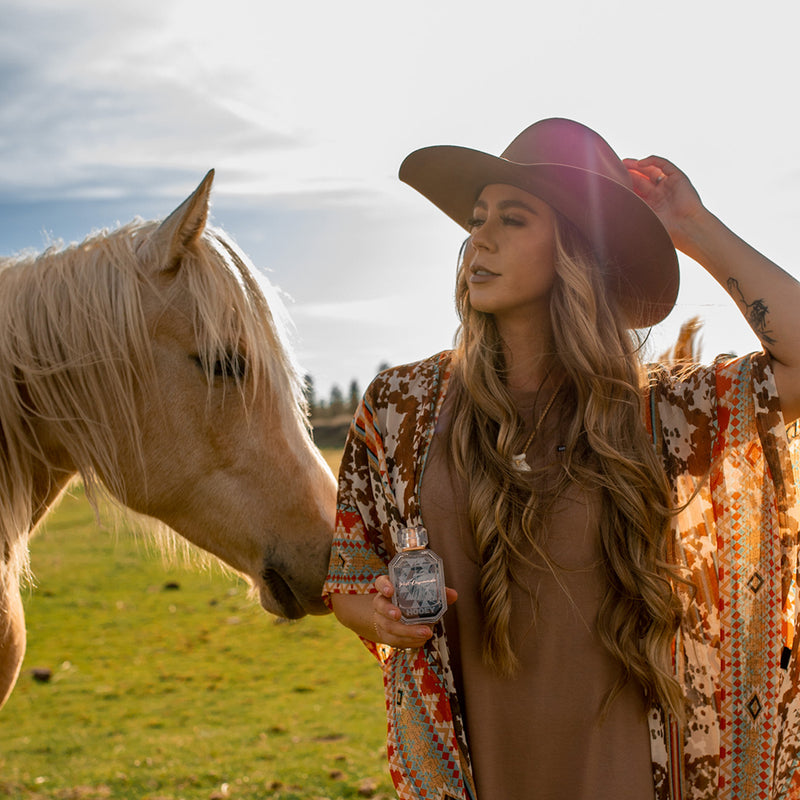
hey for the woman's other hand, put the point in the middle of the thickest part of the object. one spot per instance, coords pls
(669, 193)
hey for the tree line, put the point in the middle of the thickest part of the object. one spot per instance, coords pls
(338, 402)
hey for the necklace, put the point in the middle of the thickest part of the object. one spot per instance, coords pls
(518, 461)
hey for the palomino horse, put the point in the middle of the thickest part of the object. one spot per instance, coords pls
(149, 362)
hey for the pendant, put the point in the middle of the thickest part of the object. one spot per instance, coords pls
(519, 463)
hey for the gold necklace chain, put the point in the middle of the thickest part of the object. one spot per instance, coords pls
(518, 460)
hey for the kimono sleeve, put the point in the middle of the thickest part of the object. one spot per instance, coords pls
(358, 553)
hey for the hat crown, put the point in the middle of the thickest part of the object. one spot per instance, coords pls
(570, 144)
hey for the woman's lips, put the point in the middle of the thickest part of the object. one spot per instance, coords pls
(481, 274)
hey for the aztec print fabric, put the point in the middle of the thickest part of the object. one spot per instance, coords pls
(724, 447)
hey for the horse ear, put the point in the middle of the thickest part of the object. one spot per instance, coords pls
(183, 226)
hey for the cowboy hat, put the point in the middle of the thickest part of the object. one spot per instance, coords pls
(576, 172)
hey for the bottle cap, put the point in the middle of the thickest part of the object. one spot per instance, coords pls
(412, 538)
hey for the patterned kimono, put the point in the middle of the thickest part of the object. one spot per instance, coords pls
(725, 449)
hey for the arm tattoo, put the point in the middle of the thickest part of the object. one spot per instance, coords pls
(755, 313)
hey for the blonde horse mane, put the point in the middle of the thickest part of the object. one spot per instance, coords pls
(76, 352)
(685, 350)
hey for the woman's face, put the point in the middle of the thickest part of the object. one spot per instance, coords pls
(510, 257)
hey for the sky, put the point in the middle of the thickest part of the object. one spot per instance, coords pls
(110, 111)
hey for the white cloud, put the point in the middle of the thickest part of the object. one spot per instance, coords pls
(368, 312)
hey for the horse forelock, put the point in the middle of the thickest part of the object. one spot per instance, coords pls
(236, 304)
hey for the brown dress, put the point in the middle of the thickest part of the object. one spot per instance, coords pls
(539, 736)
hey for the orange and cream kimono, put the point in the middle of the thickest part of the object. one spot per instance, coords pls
(726, 452)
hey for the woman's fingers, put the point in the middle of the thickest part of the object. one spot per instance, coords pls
(387, 624)
(384, 586)
(390, 630)
(648, 173)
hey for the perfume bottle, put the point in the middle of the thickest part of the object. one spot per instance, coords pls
(417, 575)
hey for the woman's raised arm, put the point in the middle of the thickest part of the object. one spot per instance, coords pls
(767, 295)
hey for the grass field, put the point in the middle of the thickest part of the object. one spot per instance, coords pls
(169, 682)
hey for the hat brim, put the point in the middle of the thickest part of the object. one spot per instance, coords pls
(627, 236)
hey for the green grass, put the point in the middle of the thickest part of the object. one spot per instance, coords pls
(188, 692)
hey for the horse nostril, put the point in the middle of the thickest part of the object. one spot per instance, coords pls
(288, 605)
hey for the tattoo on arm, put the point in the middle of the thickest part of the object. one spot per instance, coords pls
(755, 313)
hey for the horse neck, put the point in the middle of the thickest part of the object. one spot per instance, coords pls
(48, 486)
(30, 488)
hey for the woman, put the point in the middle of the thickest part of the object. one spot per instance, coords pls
(620, 543)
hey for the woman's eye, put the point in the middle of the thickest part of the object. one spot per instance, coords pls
(476, 222)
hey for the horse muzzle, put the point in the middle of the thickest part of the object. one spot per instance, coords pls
(278, 597)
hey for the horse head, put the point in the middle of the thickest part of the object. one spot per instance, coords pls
(150, 361)
(224, 455)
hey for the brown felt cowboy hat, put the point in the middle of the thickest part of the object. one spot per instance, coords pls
(576, 172)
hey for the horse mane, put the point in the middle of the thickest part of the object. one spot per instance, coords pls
(75, 352)
(685, 350)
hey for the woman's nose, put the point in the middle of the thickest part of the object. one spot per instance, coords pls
(482, 238)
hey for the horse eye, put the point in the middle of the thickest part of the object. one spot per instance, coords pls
(231, 365)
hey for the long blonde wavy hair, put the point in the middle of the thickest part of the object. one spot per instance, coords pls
(607, 449)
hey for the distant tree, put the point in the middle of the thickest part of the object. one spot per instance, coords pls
(310, 392)
(355, 396)
(383, 365)
(336, 405)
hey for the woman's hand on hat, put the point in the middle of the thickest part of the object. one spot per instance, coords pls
(386, 623)
(668, 192)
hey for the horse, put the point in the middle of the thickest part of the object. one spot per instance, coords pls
(149, 363)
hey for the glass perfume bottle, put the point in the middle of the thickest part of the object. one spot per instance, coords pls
(417, 575)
